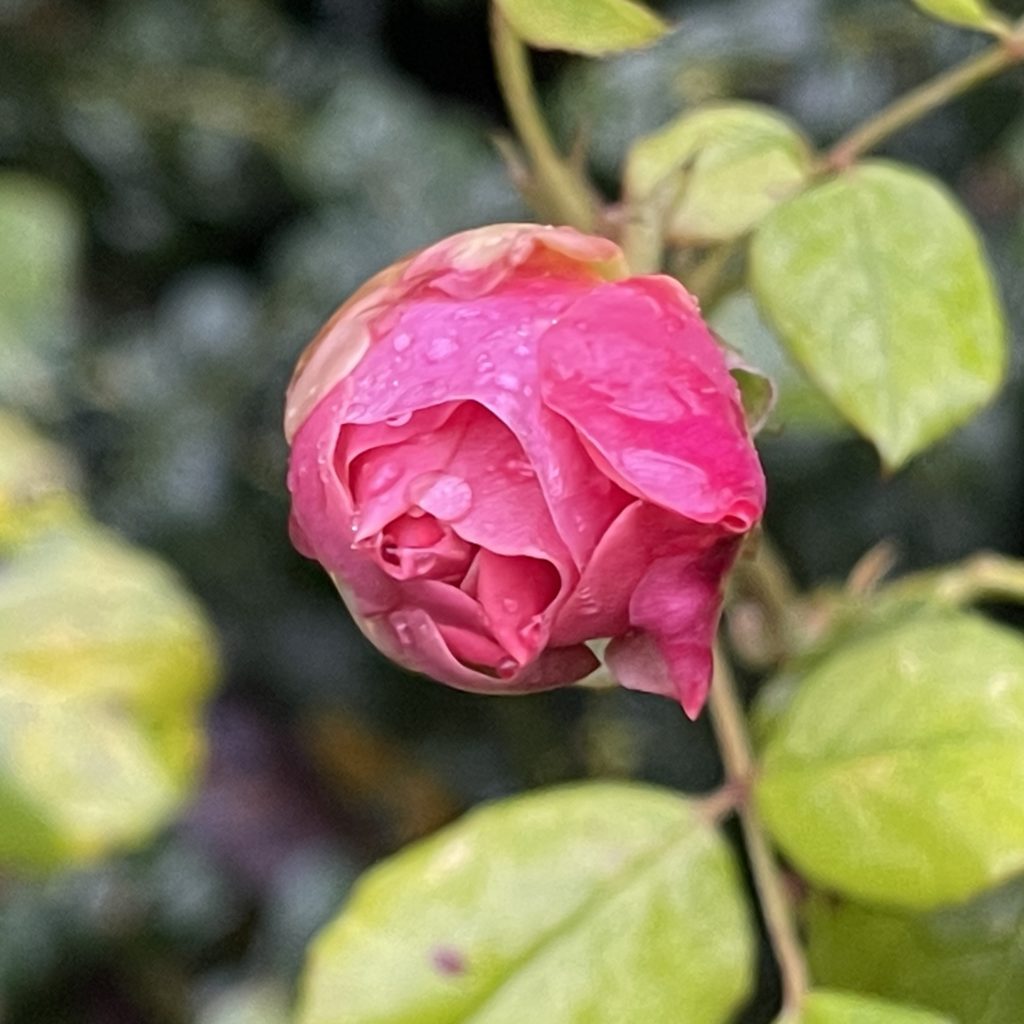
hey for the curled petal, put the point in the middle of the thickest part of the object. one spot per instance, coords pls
(674, 613)
(635, 370)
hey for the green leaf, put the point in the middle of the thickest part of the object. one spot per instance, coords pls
(757, 391)
(37, 481)
(877, 285)
(799, 405)
(896, 772)
(599, 903)
(718, 170)
(40, 236)
(104, 663)
(965, 961)
(969, 13)
(821, 1007)
(591, 27)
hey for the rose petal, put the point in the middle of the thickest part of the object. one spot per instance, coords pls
(554, 668)
(675, 608)
(599, 605)
(635, 370)
(381, 480)
(516, 594)
(411, 547)
(493, 362)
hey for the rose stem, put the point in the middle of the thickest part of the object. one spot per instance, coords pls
(737, 757)
(568, 196)
(926, 98)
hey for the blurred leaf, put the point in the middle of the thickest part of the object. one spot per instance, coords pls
(896, 773)
(877, 284)
(799, 404)
(970, 13)
(822, 1007)
(965, 960)
(262, 1002)
(36, 482)
(607, 903)
(591, 27)
(718, 170)
(39, 243)
(104, 661)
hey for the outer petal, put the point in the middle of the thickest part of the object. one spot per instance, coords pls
(465, 265)
(674, 612)
(554, 668)
(633, 367)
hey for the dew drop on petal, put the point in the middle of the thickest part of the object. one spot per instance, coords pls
(588, 605)
(443, 495)
(484, 363)
(507, 381)
(354, 411)
(399, 419)
(382, 478)
(401, 342)
(521, 467)
(510, 604)
(507, 667)
(441, 348)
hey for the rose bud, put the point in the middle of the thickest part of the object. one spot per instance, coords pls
(503, 447)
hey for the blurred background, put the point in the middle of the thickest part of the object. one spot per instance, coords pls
(194, 185)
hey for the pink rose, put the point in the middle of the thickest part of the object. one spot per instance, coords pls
(503, 447)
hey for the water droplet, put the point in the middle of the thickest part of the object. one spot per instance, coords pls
(395, 382)
(401, 342)
(441, 348)
(402, 631)
(522, 350)
(588, 604)
(399, 419)
(354, 411)
(527, 390)
(507, 667)
(484, 363)
(521, 467)
(507, 381)
(443, 495)
(510, 604)
(382, 478)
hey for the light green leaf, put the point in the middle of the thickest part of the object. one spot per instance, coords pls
(821, 1007)
(104, 662)
(896, 772)
(876, 283)
(798, 403)
(965, 961)
(591, 27)
(969, 13)
(40, 234)
(598, 903)
(37, 481)
(716, 172)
